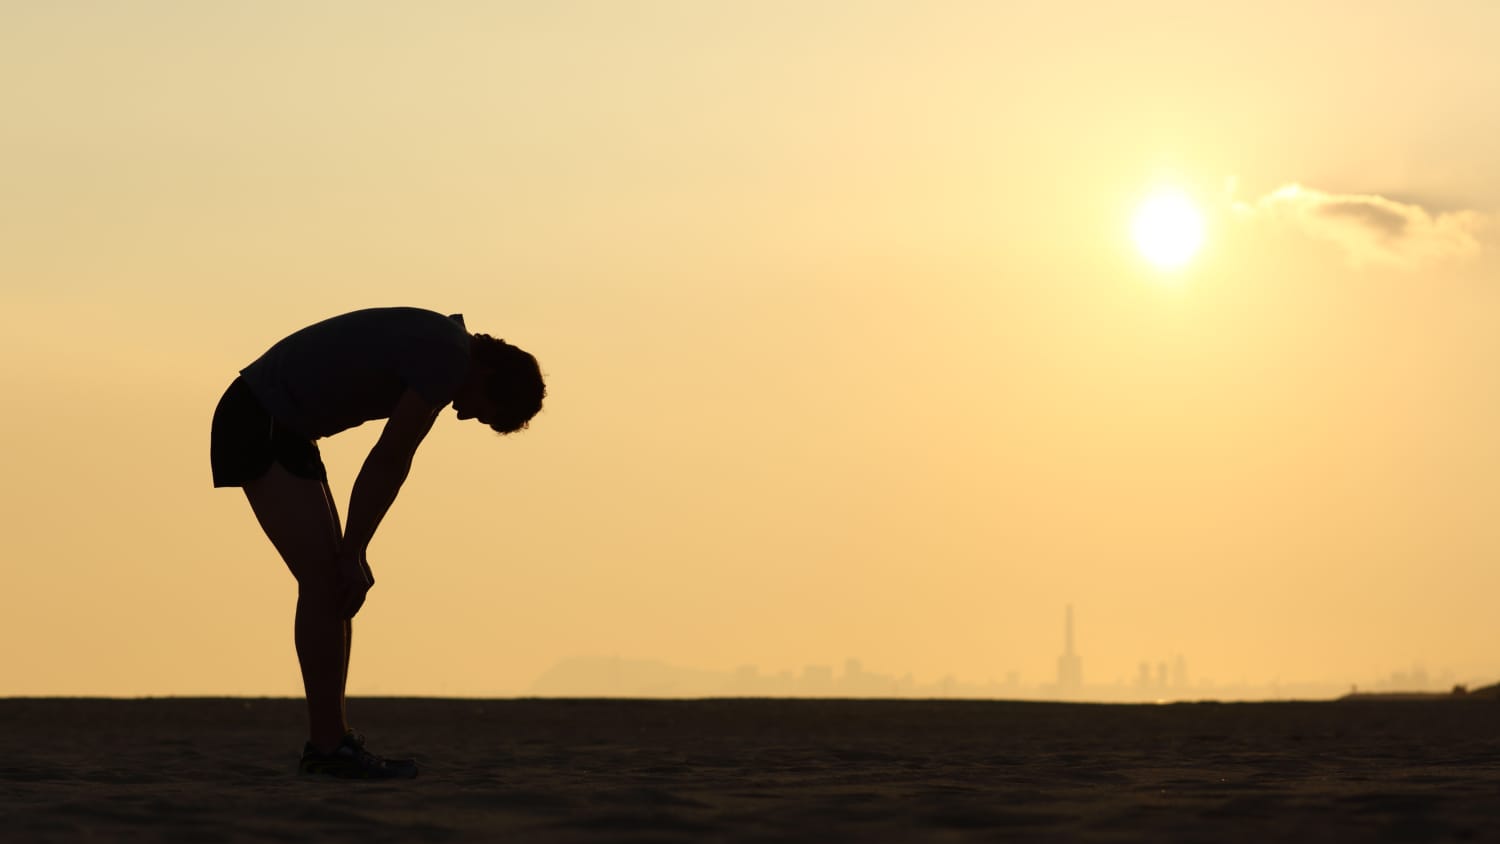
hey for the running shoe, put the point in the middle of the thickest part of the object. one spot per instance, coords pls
(359, 739)
(350, 760)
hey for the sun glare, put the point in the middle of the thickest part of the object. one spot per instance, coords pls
(1168, 229)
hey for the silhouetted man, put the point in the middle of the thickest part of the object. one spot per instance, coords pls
(403, 365)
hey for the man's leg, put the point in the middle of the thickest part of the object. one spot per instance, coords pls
(298, 517)
(348, 647)
(333, 508)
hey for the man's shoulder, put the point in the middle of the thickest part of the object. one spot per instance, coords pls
(395, 313)
(401, 320)
(417, 317)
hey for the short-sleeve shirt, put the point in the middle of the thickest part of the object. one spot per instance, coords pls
(350, 369)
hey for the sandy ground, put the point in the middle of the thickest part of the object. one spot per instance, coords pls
(759, 770)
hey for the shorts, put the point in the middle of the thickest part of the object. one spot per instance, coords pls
(246, 439)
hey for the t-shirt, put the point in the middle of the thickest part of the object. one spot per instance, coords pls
(345, 371)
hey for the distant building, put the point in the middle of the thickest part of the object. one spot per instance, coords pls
(747, 681)
(1069, 665)
(817, 680)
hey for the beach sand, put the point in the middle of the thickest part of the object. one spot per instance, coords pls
(759, 770)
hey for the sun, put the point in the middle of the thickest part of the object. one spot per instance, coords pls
(1168, 229)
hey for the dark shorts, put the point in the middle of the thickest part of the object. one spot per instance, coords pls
(246, 439)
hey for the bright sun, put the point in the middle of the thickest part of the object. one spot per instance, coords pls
(1168, 229)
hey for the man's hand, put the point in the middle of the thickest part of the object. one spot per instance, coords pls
(354, 580)
(375, 487)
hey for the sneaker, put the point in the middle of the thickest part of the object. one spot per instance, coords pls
(359, 739)
(351, 761)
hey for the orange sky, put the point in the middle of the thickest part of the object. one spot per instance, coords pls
(849, 351)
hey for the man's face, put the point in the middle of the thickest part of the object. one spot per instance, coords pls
(470, 402)
(471, 407)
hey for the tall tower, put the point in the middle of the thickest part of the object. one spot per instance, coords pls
(1069, 665)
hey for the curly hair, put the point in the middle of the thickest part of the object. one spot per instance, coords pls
(514, 384)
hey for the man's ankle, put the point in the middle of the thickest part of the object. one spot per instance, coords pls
(325, 744)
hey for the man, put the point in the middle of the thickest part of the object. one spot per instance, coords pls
(403, 365)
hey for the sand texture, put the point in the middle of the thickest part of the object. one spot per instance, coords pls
(759, 770)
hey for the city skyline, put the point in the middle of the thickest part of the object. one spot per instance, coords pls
(1154, 680)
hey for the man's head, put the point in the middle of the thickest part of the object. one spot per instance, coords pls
(504, 389)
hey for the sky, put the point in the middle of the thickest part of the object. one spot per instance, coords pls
(849, 350)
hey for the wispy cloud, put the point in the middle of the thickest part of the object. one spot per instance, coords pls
(1373, 229)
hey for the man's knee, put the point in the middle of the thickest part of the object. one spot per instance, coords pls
(319, 592)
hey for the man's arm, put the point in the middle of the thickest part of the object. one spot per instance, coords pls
(385, 469)
(375, 489)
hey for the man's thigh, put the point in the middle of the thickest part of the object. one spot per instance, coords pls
(299, 518)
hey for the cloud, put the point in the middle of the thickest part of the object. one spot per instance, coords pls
(1373, 229)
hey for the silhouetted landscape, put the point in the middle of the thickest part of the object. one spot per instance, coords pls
(762, 770)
